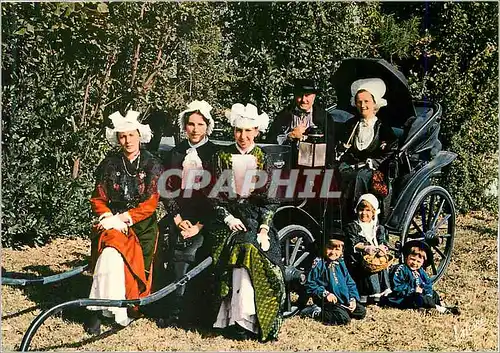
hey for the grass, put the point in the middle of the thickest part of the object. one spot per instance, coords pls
(471, 280)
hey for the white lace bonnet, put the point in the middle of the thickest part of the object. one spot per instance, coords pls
(128, 122)
(373, 85)
(204, 108)
(244, 117)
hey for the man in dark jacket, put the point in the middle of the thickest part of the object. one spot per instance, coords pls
(290, 125)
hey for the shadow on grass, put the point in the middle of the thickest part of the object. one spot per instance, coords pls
(83, 342)
(47, 296)
(481, 229)
(22, 312)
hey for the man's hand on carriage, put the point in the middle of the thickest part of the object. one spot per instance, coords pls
(298, 131)
(263, 238)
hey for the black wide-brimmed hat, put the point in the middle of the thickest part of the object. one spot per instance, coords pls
(335, 234)
(421, 245)
(305, 85)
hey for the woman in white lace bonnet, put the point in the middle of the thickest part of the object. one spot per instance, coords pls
(365, 236)
(252, 282)
(368, 141)
(189, 214)
(124, 237)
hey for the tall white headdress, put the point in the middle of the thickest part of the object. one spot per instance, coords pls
(244, 117)
(128, 122)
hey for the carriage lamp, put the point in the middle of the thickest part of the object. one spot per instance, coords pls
(312, 151)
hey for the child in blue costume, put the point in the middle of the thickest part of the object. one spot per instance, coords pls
(332, 288)
(411, 285)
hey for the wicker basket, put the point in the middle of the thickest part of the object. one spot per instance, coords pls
(377, 262)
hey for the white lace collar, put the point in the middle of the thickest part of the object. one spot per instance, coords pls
(366, 133)
(369, 231)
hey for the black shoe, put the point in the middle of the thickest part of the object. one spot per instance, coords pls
(93, 325)
(453, 310)
(134, 312)
(238, 333)
(169, 321)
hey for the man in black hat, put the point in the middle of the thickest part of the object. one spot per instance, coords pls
(290, 125)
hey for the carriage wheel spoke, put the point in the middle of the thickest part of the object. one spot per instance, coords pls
(445, 236)
(287, 250)
(445, 219)
(422, 216)
(434, 220)
(429, 213)
(439, 252)
(300, 259)
(298, 243)
(434, 270)
(417, 227)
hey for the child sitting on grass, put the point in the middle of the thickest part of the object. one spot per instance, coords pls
(411, 285)
(365, 236)
(332, 288)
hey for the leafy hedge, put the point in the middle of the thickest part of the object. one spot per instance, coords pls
(66, 66)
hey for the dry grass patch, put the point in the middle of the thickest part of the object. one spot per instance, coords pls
(471, 281)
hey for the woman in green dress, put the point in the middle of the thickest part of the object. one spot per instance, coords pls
(250, 266)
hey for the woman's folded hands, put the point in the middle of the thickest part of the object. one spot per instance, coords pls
(114, 222)
(192, 230)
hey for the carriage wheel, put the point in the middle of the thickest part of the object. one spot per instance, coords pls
(432, 219)
(295, 243)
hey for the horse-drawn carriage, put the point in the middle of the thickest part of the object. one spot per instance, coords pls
(413, 209)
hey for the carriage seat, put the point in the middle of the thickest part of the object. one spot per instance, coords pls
(424, 113)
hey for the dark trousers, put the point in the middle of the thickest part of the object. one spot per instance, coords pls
(421, 301)
(335, 314)
(413, 301)
(183, 258)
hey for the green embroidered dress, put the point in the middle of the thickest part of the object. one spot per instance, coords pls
(243, 251)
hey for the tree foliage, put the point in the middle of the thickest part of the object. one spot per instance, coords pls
(455, 63)
(66, 66)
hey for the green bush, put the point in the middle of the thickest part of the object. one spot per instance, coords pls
(66, 66)
(457, 66)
